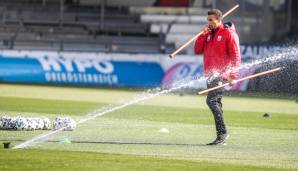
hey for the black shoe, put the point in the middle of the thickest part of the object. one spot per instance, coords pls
(220, 140)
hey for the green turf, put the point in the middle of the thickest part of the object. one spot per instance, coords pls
(250, 104)
(62, 107)
(256, 142)
(150, 112)
(62, 160)
(204, 116)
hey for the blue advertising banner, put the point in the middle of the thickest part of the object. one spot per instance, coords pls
(93, 71)
(110, 69)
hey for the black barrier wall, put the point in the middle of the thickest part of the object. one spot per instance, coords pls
(285, 81)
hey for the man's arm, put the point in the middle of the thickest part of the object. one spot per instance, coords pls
(234, 54)
(200, 42)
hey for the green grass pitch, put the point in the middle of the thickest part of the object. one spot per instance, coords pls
(129, 139)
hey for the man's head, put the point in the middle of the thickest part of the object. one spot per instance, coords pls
(214, 18)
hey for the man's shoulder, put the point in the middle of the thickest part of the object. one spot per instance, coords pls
(226, 32)
(229, 27)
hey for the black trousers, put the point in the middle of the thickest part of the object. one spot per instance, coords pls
(215, 105)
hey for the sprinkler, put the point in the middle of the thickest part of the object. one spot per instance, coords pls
(6, 145)
(267, 115)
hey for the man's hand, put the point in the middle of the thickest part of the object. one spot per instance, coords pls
(232, 82)
(229, 79)
(206, 30)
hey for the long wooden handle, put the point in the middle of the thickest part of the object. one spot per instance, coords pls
(197, 35)
(241, 79)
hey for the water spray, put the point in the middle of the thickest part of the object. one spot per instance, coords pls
(241, 79)
(93, 115)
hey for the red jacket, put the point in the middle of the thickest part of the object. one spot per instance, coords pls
(221, 53)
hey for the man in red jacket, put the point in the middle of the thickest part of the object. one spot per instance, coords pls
(220, 45)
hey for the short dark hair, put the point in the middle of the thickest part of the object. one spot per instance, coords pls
(216, 12)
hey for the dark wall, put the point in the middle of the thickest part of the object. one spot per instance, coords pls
(294, 18)
(285, 81)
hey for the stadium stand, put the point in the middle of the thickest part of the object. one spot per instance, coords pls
(159, 26)
(40, 25)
